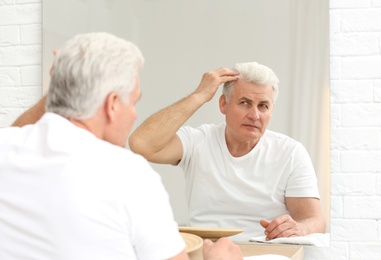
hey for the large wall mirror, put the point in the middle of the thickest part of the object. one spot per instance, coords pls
(182, 39)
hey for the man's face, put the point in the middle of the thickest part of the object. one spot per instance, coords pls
(248, 111)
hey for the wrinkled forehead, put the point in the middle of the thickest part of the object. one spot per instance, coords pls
(244, 86)
(252, 91)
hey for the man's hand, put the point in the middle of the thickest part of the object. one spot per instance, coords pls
(283, 226)
(223, 249)
(212, 80)
(33, 114)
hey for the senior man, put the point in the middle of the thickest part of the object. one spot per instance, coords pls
(238, 173)
(68, 187)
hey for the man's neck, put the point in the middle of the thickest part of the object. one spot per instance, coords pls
(238, 147)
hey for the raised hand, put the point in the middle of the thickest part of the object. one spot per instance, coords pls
(212, 80)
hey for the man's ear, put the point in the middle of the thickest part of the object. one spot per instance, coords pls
(111, 106)
(222, 103)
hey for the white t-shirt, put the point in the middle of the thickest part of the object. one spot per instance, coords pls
(236, 192)
(65, 194)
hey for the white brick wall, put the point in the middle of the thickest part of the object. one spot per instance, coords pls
(20, 57)
(355, 27)
(355, 49)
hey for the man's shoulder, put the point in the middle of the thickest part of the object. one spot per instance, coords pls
(121, 154)
(121, 163)
(276, 137)
(7, 132)
(274, 134)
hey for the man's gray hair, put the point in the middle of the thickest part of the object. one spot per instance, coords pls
(87, 69)
(256, 73)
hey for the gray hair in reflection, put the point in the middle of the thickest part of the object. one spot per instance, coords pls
(256, 73)
(87, 69)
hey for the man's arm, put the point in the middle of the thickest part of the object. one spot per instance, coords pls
(305, 218)
(223, 249)
(156, 137)
(32, 115)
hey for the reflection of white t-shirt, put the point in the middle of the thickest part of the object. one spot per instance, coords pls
(236, 192)
(65, 194)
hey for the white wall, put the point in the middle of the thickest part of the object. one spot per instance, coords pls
(355, 112)
(20, 57)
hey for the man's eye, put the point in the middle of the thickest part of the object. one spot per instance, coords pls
(264, 106)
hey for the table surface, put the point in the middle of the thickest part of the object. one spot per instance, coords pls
(250, 249)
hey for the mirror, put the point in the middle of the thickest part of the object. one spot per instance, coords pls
(183, 39)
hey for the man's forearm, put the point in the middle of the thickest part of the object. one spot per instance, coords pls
(157, 131)
(32, 115)
(312, 225)
(156, 138)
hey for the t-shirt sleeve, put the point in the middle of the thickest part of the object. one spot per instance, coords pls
(302, 181)
(185, 134)
(155, 233)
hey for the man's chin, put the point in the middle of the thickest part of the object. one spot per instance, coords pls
(253, 135)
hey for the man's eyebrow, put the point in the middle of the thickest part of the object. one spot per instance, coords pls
(251, 100)
(245, 98)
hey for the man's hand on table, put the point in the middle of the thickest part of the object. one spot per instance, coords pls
(283, 226)
(223, 249)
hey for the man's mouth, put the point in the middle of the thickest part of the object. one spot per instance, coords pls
(250, 126)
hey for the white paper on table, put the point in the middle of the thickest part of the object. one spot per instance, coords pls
(316, 239)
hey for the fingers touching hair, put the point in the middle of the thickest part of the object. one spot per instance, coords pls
(255, 73)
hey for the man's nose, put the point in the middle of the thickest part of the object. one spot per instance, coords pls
(254, 113)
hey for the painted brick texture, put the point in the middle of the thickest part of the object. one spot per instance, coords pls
(355, 54)
(20, 57)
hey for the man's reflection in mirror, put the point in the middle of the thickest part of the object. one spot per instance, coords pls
(239, 174)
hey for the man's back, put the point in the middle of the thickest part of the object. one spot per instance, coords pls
(65, 194)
